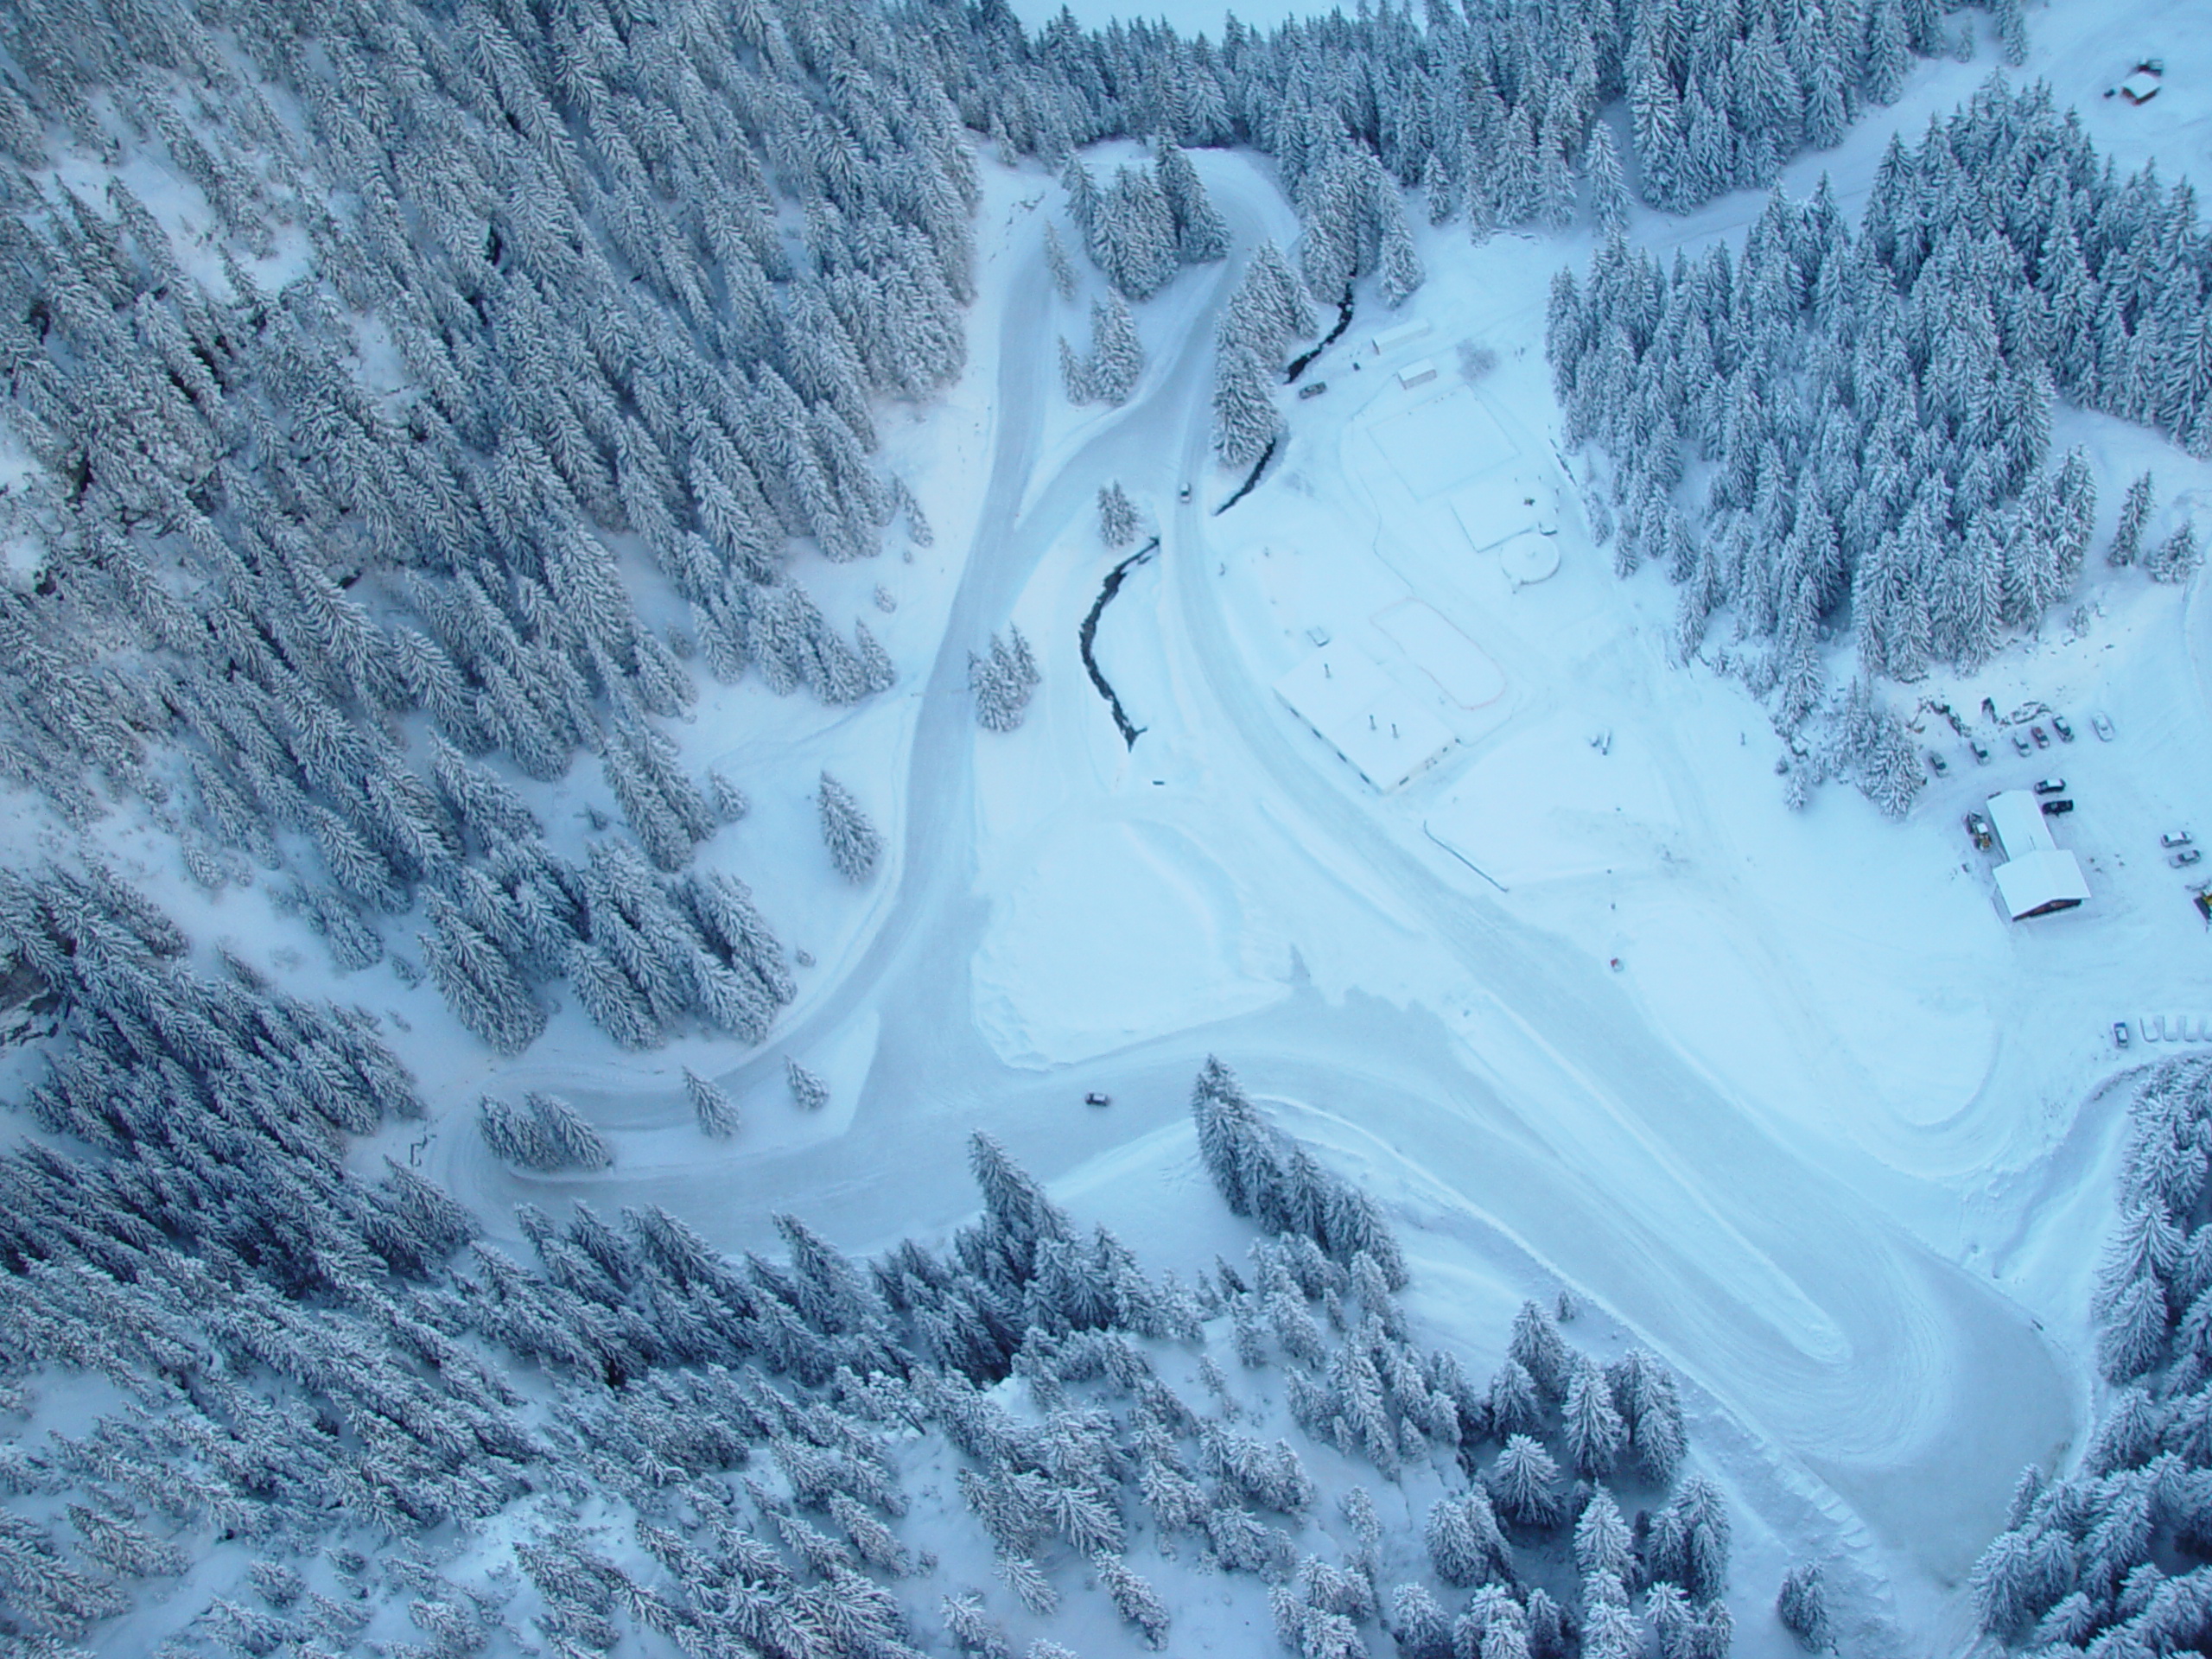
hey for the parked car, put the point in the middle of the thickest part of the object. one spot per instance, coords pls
(2174, 838)
(2020, 742)
(1978, 826)
(1183, 494)
(2059, 724)
(2052, 809)
(2119, 1034)
(2042, 737)
(1938, 763)
(1980, 752)
(1093, 1098)
(2102, 726)
(2051, 786)
(1313, 391)
(2183, 859)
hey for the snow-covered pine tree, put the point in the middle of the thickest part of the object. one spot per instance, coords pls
(2127, 534)
(1118, 519)
(717, 1114)
(1802, 1605)
(1594, 1431)
(1524, 1482)
(1132, 233)
(809, 1092)
(1075, 374)
(2175, 559)
(1056, 261)
(1608, 188)
(852, 841)
(1201, 236)
(1116, 358)
(1003, 682)
(1245, 420)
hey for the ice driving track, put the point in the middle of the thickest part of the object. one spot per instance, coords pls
(1869, 1376)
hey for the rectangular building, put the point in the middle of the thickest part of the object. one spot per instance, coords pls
(2038, 876)
(1403, 335)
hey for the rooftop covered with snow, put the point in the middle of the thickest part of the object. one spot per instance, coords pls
(2039, 876)
(2020, 824)
(2037, 883)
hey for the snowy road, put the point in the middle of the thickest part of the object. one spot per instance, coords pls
(1549, 1122)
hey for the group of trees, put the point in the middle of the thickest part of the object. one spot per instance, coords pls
(642, 952)
(323, 561)
(1146, 224)
(314, 1363)
(1541, 1451)
(1868, 415)
(2117, 1556)
(1490, 110)
(1003, 679)
(1267, 311)
(1117, 514)
(546, 1134)
(1110, 374)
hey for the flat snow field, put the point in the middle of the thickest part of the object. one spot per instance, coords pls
(1782, 1095)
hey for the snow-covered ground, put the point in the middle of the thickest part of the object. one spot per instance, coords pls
(1782, 1095)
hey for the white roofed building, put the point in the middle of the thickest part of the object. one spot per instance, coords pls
(1403, 333)
(2038, 876)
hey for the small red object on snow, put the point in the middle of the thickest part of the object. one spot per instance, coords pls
(1617, 964)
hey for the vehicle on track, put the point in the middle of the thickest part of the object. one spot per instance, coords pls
(1183, 494)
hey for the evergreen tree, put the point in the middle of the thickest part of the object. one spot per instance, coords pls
(1118, 519)
(1117, 355)
(1594, 1429)
(854, 844)
(718, 1115)
(1056, 261)
(1201, 236)
(809, 1092)
(1524, 1482)
(1245, 421)
(1802, 1605)
(1608, 188)
(2127, 535)
(1003, 682)
(2175, 558)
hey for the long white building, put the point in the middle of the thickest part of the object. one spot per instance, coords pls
(2038, 876)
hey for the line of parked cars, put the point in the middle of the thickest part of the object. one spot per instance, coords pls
(2028, 734)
